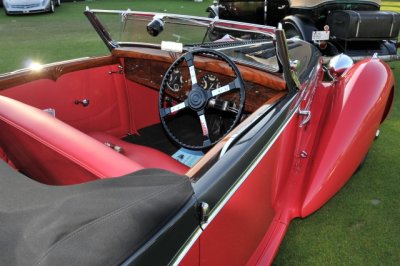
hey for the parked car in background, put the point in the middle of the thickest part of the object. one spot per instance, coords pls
(29, 6)
(354, 27)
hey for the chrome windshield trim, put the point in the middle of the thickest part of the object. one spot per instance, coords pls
(207, 21)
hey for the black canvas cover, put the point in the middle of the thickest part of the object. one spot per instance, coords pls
(97, 223)
(364, 25)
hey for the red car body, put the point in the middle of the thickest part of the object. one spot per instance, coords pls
(324, 155)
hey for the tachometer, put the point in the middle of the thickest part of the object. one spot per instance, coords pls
(210, 82)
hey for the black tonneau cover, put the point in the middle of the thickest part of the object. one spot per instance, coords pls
(96, 223)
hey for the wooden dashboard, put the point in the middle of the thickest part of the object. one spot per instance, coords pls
(147, 66)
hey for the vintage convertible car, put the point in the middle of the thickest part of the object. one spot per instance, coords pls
(345, 26)
(194, 142)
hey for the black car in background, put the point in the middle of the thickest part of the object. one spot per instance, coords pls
(357, 28)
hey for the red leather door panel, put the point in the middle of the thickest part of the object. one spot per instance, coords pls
(107, 110)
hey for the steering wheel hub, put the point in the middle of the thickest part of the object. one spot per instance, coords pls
(197, 99)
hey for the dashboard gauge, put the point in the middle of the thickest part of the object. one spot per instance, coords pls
(175, 81)
(210, 82)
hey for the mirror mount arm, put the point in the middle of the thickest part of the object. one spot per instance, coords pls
(282, 53)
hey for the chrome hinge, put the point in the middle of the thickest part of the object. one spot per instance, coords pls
(307, 119)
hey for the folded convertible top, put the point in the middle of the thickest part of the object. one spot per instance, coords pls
(96, 223)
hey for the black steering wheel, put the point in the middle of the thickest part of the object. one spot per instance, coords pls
(200, 101)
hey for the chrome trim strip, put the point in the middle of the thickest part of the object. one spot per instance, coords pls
(391, 27)
(47, 65)
(177, 259)
(227, 145)
(386, 58)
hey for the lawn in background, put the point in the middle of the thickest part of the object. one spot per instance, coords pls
(67, 34)
(359, 226)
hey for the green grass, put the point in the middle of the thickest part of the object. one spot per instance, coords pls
(67, 34)
(360, 225)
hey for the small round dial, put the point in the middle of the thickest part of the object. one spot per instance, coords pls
(175, 81)
(210, 82)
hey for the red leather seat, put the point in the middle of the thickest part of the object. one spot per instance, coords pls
(52, 152)
(145, 156)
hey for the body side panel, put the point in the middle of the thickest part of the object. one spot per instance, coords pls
(356, 110)
(241, 224)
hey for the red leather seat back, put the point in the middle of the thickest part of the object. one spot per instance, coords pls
(52, 152)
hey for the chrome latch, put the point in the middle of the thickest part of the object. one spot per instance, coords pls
(307, 119)
(119, 71)
(203, 210)
(84, 102)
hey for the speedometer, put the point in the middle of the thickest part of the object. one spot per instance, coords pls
(175, 81)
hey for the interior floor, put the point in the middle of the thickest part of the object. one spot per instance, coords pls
(185, 127)
(154, 137)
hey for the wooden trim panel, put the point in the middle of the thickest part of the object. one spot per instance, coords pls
(54, 71)
(249, 74)
(144, 65)
(147, 73)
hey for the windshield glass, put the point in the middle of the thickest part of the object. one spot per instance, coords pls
(132, 27)
(246, 43)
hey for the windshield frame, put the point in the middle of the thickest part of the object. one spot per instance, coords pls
(207, 22)
(277, 37)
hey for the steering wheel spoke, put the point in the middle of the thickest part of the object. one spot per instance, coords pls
(169, 110)
(228, 87)
(203, 123)
(204, 128)
(192, 71)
